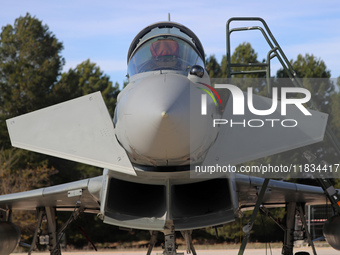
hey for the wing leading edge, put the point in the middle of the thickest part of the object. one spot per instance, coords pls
(63, 197)
(278, 193)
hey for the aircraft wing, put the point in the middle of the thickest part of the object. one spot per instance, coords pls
(63, 197)
(80, 130)
(278, 193)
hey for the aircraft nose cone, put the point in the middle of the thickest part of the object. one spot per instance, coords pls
(154, 119)
(164, 114)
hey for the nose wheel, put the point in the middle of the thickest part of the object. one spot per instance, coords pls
(170, 247)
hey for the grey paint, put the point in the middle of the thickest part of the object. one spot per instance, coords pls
(81, 130)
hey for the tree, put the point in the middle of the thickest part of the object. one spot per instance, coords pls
(315, 76)
(30, 79)
(323, 93)
(335, 110)
(213, 67)
(14, 179)
(86, 78)
(29, 73)
(244, 53)
(308, 68)
(334, 116)
(30, 63)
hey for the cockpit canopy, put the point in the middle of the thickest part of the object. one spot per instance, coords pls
(164, 46)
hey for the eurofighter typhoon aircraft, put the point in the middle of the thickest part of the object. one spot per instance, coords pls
(170, 124)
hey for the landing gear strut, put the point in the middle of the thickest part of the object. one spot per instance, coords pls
(170, 240)
(49, 213)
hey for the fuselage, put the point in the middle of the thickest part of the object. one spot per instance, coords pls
(160, 122)
(158, 118)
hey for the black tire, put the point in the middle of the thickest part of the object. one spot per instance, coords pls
(302, 253)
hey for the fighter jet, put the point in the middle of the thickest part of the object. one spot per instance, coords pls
(170, 122)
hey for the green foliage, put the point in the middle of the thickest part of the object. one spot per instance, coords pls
(213, 67)
(308, 68)
(30, 79)
(30, 63)
(325, 97)
(334, 122)
(86, 78)
(335, 113)
(315, 77)
(244, 53)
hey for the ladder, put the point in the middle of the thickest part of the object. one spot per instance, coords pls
(275, 51)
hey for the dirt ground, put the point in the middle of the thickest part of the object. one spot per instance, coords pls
(275, 251)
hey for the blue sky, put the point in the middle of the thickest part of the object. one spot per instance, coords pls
(102, 30)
